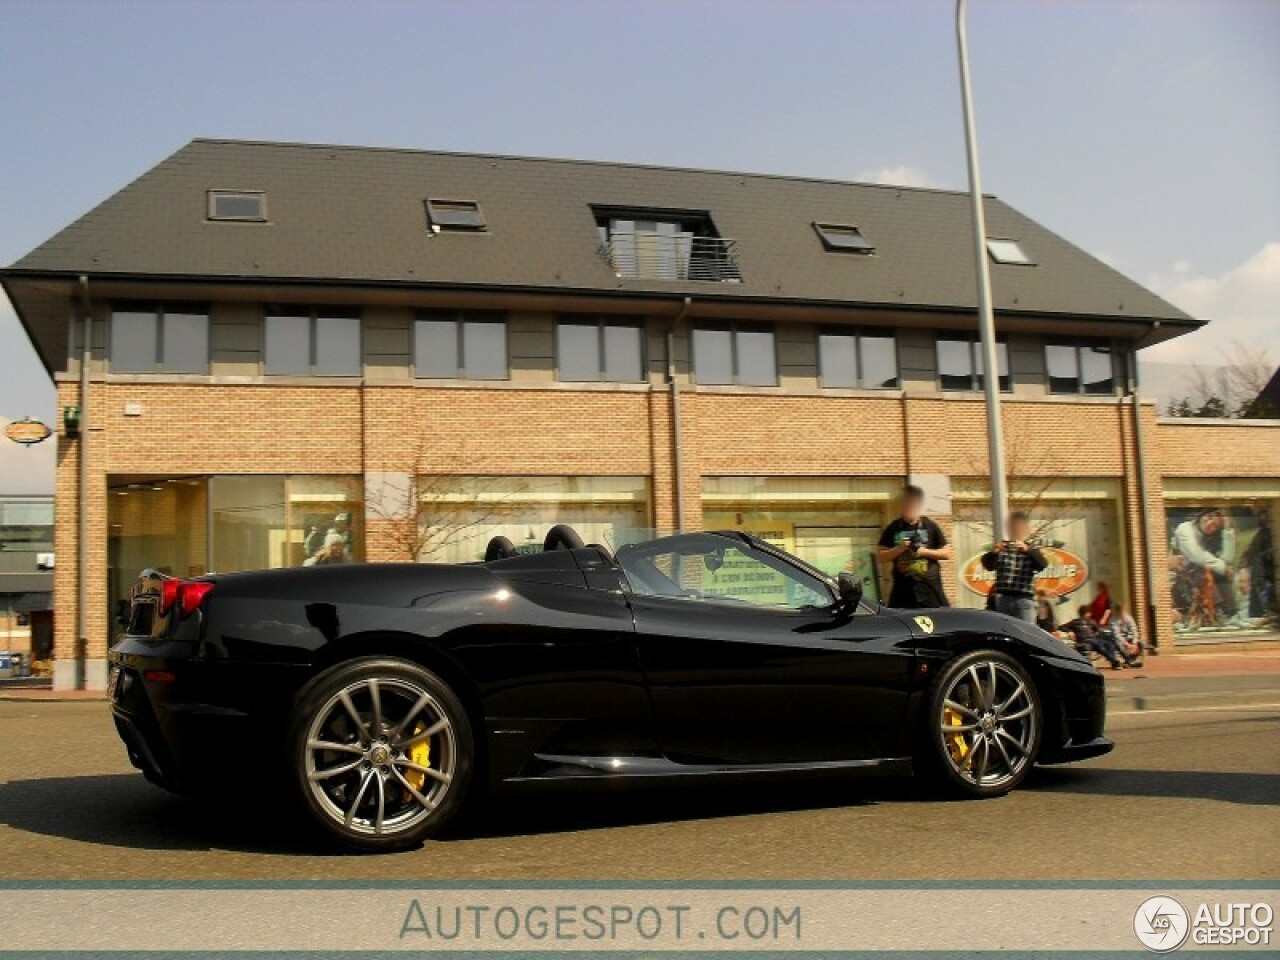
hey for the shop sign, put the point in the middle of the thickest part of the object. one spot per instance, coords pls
(27, 431)
(1066, 573)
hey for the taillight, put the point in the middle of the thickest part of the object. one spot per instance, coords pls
(190, 595)
(183, 596)
(168, 594)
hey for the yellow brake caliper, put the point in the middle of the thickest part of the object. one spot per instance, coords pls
(956, 742)
(419, 754)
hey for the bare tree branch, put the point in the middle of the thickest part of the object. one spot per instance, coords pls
(439, 504)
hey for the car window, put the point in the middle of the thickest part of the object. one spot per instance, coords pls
(713, 569)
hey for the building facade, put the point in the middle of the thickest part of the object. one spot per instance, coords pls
(26, 578)
(273, 355)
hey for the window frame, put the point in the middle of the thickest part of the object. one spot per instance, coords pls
(1078, 346)
(313, 315)
(214, 194)
(600, 325)
(857, 334)
(159, 310)
(837, 237)
(733, 329)
(459, 319)
(440, 219)
(976, 385)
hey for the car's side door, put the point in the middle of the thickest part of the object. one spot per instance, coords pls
(753, 663)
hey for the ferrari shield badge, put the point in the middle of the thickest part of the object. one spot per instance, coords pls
(925, 624)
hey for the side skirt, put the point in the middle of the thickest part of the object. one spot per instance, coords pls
(559, 767)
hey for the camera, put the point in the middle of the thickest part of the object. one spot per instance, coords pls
(914, 541)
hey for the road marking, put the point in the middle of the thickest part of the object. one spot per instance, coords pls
(1235, 706)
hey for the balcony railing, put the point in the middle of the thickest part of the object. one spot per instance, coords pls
(655, 256)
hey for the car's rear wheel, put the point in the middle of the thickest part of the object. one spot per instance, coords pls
(382, 753)
(984, 724)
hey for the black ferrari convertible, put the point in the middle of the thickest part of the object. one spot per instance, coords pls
(385, 694)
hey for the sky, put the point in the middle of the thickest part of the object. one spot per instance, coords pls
(1147, 133)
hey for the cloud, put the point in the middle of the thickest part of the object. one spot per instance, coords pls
(899, 176)
(1242, 305)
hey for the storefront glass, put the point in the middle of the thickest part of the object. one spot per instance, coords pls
(832, 522)
(458, 515)
(1222, 564)
(1078, 527)
(268, 522)
(188, 526)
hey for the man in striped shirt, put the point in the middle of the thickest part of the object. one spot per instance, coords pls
(1016, 564)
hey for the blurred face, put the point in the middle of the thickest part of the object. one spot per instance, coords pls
(1019, 529)
(912, 507)
(1211, 522)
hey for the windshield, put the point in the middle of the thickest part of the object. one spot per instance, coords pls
(724, 569)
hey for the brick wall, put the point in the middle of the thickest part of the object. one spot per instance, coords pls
(529, 429)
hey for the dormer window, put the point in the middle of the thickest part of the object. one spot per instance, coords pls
(244, 205)
(666, 245)
(462, 215)
(843, 238)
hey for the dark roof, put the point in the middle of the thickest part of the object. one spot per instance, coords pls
(1267, 402)
(356, 214)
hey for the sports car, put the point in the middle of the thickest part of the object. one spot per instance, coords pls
(380, 696)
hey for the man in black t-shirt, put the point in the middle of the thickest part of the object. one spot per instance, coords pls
(914, 544)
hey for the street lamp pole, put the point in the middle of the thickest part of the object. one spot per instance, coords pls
(986, 316)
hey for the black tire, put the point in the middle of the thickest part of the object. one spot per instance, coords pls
(975, 745)
(399, 775)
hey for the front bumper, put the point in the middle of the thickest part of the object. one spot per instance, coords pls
(1071, 751)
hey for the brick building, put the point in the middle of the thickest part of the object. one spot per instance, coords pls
(389, 354)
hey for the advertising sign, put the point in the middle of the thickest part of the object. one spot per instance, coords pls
(1065, 574)
(1222, 568)
(27, 431)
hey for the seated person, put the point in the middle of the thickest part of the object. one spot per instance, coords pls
(1089, 637)
(1046, 619)
(1125, 629)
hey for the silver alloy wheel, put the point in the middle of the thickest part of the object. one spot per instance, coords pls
(988, 723)
(363, 750)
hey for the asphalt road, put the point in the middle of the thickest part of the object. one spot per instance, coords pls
(1190, 793)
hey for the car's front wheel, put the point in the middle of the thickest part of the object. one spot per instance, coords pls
(381, 753)
(983, 726)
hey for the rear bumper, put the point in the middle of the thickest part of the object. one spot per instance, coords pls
(183, 719)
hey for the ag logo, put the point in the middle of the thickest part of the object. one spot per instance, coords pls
(1161, 924)
(925, 624)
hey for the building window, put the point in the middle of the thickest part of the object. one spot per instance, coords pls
(462, 215)
(246, 205)
(1008, 251)
(844, 238)
(302, 340)
(1080, 367)
(460, 346)
(735, 354)
(857, 360)
(666, 245)
(960, 363)
(159, 338)
(599, 350)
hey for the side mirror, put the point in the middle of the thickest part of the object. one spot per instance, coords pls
(850, 592)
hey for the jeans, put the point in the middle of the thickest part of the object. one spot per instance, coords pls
(1022, 608)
